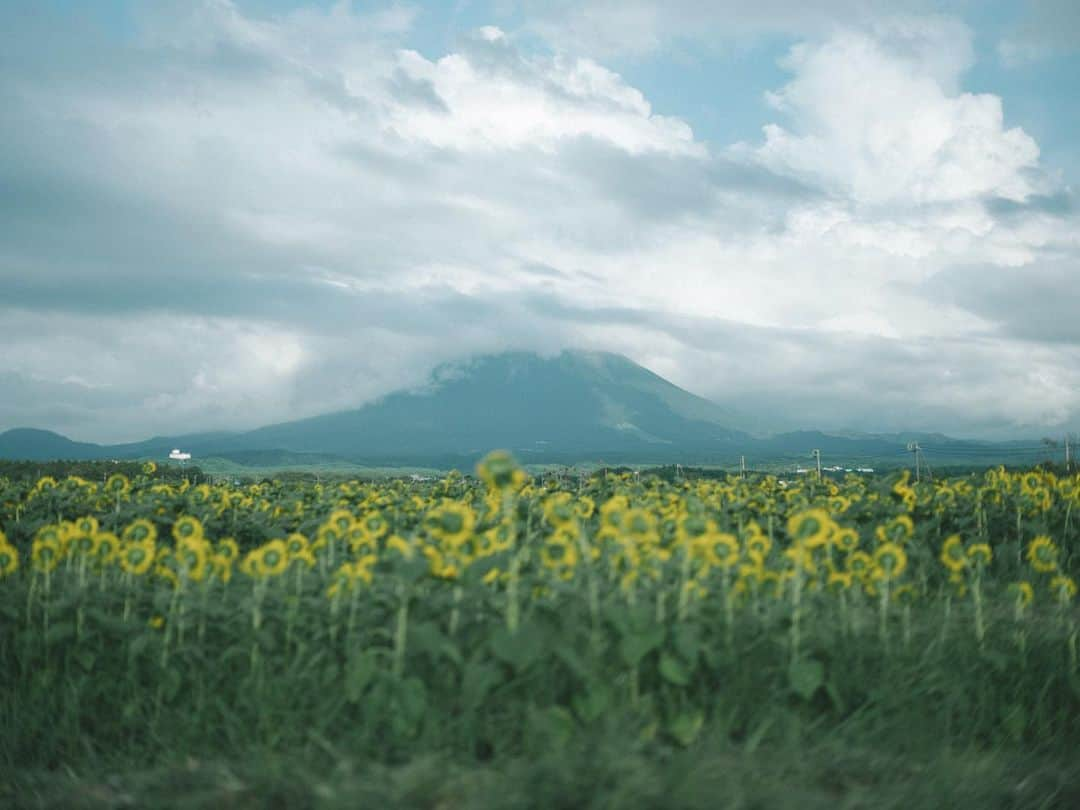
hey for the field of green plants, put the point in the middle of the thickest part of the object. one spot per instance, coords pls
(501, 641)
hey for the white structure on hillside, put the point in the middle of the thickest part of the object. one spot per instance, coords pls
(176, 455)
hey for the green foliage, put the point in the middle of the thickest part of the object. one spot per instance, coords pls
(459, 646)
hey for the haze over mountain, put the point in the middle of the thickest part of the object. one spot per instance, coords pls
(573, 407)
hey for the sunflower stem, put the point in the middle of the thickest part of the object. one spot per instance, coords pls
(401, 630)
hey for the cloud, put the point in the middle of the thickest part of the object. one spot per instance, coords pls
(639, 27)
(1047, 28)
(232, 220)
(880, 120)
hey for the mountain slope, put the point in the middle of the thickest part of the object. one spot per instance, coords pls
(42, 445)
(575, 403)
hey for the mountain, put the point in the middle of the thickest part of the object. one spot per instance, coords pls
(573, 407)
(578, 404)
(42, 445)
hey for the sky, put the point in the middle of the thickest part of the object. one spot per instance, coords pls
(843, 215)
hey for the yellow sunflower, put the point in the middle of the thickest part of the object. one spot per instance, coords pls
(1063, 587)
(136, 556)
(811, 527)
(891, 559)
(187, 526)
(953, 555)
(272, 559)
(139, 531)
(9, 559)
(980, 554)
(1043, 554)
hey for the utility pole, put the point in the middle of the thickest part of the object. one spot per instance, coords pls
(914, 448)
(817, 454)
(742, 466)
(1068, 460)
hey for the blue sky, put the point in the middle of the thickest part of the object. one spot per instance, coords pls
(857, 214)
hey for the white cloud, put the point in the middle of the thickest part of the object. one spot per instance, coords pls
(244, 220)
(876, 120)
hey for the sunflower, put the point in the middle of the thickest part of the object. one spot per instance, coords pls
(273, 558)
(108, 545)
(303, 556)
(891, 559)
(501, 536)
(800, 556)
(613, 510)
(1064, 587)
(227, 548)
(905, 594)
(450, 521)
(164, 572)
(9, 559)
(360, 542)
(559, 509)
(221, 567)
(718, 549)
(192, 554)
(559, 555)
(141, 530)
(846, 539)
(584, 507)
(296, 543)
(858, 563)
(45, 484)
(401, 546)
(691, 527)
(117, 484)
(640, 524)
(1023, 592)
(500, 471)
(980, 554)
(953, 555)
(149, 468)
(187, 526)
(86, 525)
(136, 556)
(84, 544)
(811, 527)
(839, 581)
(896, 530)
(1043, 554)
(758, 546)
(341, 520)
(249, 566)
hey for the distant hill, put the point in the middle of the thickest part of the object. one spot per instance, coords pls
(573, 407)
(43, 445)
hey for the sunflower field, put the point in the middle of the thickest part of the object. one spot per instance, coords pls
(500, 640)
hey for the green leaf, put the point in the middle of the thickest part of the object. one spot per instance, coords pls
(60, 632)
(86, 659)
(518, 649)
(592, 703)
(574, 662)
(137, 646)
(686, 727)
(806, 676)
(478, 680)
(673, 670)
(361, 669)
(687, 640)
(170, 684)
(425, 637)
(755, 738)
(1015, 721)
(635, 646)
